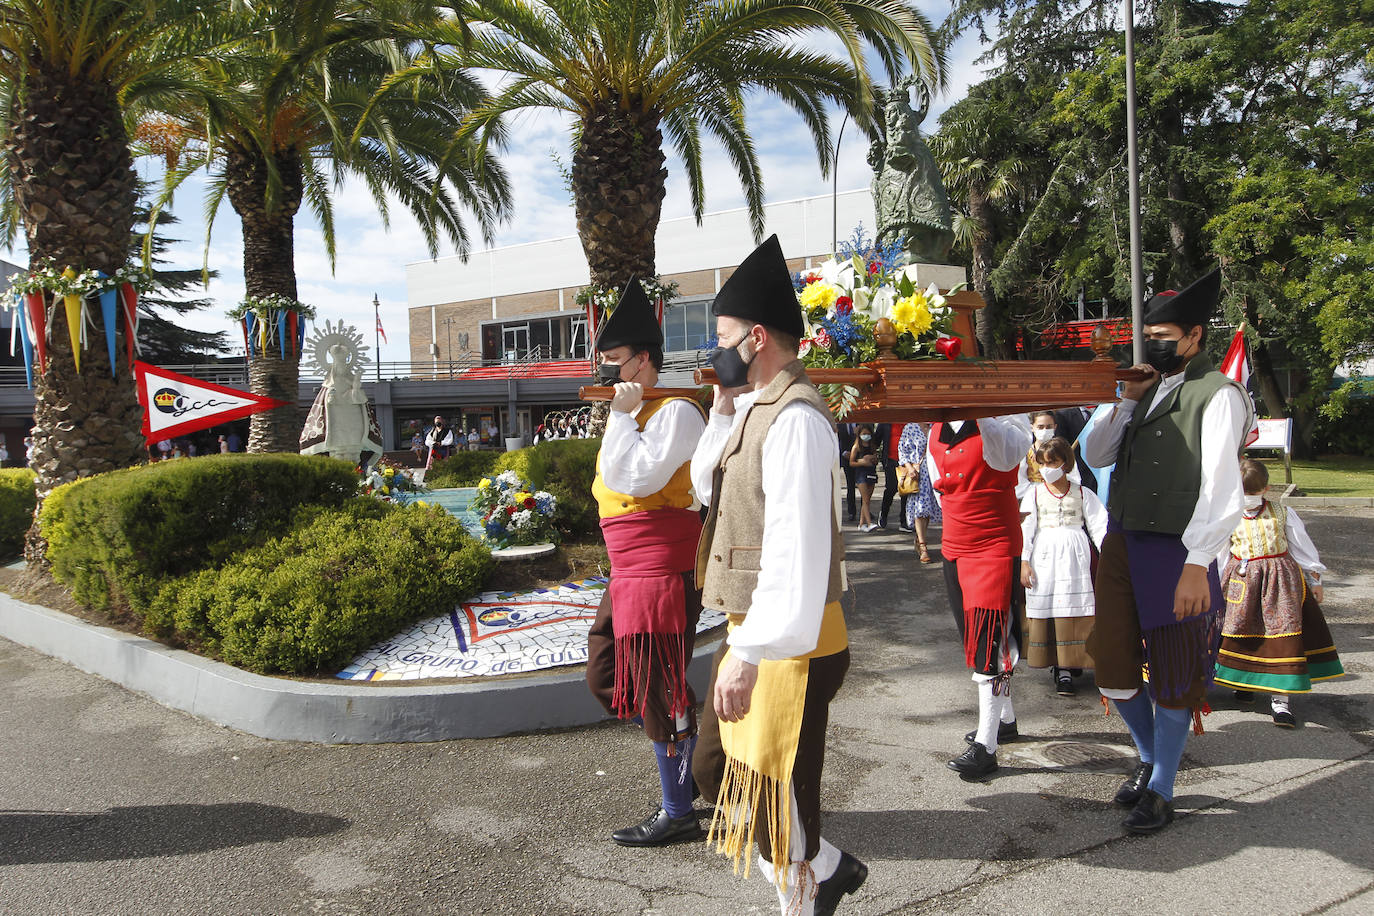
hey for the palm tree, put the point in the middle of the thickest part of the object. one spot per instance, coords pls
(633, 73)
(68, 68)
(291, 112)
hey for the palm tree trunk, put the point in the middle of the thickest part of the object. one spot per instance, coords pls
(989, 317)
(76, 191)
(619, 179)
(269, 268)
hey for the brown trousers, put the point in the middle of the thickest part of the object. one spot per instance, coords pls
(658, 724)
(823, 680)
(1116, 643)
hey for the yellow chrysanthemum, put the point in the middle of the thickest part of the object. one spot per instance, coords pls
(521, 496)
(818, 295)
(484, 483)
(911, 315)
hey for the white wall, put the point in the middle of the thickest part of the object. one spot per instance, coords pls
(722, 240)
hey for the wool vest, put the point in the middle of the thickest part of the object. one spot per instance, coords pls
(677, 494)
(1158, 469)
(731, 546)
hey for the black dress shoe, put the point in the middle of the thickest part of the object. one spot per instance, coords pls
(1006, 733)
(1242, 696)
(1063, 683)
(849, 876)
(1131, 789)
(658, 829)
(974, 762)
(1284, 719)
(1150, 815)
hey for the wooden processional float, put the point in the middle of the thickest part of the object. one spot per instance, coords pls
(892, 390)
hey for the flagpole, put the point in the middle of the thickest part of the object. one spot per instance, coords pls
(1133, 185)
(377, 333)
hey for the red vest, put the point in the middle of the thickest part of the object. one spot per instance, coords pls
(981, 514)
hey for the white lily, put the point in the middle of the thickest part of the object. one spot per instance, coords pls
(933, 297)
(882, 301)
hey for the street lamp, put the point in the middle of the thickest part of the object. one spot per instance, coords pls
(448, 334)
(377, 312)
(835, 190)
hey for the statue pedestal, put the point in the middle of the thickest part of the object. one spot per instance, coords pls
(942, 275)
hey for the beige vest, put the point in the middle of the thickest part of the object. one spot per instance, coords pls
(732, 539)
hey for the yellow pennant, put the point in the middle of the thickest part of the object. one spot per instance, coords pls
(73, 304)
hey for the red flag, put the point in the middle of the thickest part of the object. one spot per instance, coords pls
(174, 405)
(1236, 366)
(380, 329)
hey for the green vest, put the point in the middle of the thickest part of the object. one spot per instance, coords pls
(1158, 469)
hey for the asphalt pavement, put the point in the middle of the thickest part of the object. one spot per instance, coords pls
(112, 804)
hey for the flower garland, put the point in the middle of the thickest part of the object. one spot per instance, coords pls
(272, 319)
(607, 297)
(514, 515)
(68, 281)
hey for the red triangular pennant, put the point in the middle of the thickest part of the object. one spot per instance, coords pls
(174, 405)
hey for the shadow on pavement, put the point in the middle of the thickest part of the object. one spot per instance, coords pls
(151, 830)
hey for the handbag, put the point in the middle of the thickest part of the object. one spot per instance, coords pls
(908, 483)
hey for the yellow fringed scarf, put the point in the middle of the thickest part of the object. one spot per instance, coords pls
(761, 748)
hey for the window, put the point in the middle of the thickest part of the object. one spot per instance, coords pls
(687, 324)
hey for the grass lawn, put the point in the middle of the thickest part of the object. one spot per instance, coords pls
(1331, 475)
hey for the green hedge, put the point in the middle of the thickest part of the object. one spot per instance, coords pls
(339, 580)
(16, 509)
(114, 537)
(461, 469)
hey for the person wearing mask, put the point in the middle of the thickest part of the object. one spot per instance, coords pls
(1175, 498)
(1043, 429)
(863, 458)
(439, 441)
(641, 641)
(973, 470)
(770, 558)
(922, 507)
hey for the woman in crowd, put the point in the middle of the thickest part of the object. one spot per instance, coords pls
(921, 507)
(863, 458)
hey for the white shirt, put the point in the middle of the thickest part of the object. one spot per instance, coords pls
(1220, 494)
(1005, 442)
(443, 440)
(1093, 512)
(800, 459)
(641, 463)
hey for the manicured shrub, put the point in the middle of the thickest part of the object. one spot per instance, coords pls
(566, 468)
(461, 469)
(114, 537)
(16, 509)
(339, 580)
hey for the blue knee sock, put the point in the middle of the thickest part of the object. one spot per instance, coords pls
(1139, 715)
(1171, 733)
(675, 775)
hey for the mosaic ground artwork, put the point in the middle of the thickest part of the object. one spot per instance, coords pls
(496, 633)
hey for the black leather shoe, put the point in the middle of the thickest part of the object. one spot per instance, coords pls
(1063, 683)
(974, 762)
(1131, 789)
(1150, 815)
(1284, 719)
(1006, 733)
(658, 829)
(849, 876)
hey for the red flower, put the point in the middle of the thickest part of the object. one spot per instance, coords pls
(844, 305)
(873, 267)
(812, 278)
(529, 503)
(823, 339)
(510, 510)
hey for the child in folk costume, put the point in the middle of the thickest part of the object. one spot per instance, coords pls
(1056, 564)
(1274, 638)
(1043, 428)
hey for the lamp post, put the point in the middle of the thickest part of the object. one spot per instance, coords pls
(835, 190)
(1133, 183)
(377, 333)
(448, 335)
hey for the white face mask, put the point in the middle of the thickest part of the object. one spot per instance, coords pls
(865, 436)
(1052, 475)
(1255, 501)
(1043, 435)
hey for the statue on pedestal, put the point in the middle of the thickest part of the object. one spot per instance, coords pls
(908, 191)
(342, 422)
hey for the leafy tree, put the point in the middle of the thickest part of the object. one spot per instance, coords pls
(636, 73)
(295, 108)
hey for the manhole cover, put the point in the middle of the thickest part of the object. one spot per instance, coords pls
(1077, 755)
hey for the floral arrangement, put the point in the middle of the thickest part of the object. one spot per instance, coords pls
(46, 277)
(845, 298)
(274, 319)
(389, 482)
(262, 306)
(513, 515)
(606, 297)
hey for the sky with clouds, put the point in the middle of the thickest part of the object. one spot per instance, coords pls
(372, 258)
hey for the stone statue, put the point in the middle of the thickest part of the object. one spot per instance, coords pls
(908, 192)
(341, 423)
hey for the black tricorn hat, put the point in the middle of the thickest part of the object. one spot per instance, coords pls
(633, 323)
(760, 291)
(1189, 307)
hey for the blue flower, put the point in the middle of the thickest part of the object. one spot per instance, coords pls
(843, 331)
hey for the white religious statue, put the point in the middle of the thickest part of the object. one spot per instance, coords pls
(341, 422)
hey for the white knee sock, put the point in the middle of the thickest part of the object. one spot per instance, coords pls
(989, 714)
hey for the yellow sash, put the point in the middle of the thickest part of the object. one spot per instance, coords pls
(761, 748)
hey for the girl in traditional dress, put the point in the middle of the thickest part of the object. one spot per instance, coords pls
(1274, 639)
(1043, 428)
(922, 508)
(1056, 564)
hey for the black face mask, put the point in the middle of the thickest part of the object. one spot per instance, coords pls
(731, 369)
(608, 374)
(1163, 355)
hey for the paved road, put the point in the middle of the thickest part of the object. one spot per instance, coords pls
(112, 804)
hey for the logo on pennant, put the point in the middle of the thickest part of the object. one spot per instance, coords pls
(174, 405)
